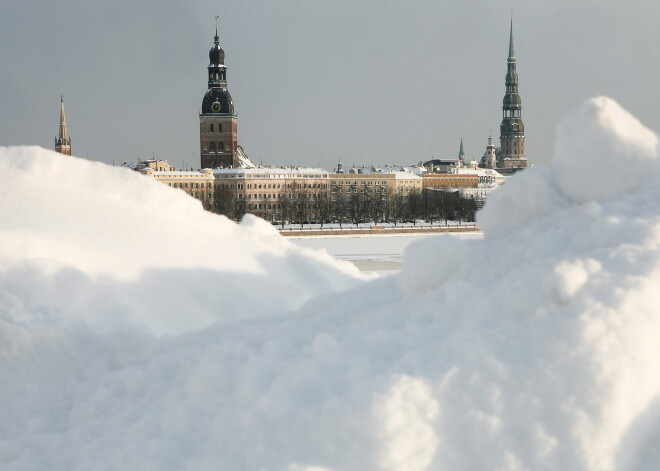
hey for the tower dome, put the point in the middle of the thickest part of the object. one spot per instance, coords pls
(217, 100)
(512, 100)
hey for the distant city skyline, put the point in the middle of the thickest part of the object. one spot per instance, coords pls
(371, 83)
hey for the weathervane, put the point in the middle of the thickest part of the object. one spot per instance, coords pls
(216, 22)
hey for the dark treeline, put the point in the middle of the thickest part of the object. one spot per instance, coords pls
(299, 206)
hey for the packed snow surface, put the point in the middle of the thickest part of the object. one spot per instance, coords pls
(85, 242)
(534, 348)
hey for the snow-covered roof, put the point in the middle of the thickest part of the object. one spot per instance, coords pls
(475, 171)
(268, 172)
(181, 173)
(243, 159)
(405, 175)
(371, 169)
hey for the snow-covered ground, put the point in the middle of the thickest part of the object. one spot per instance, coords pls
(138, 332)
(382, 254)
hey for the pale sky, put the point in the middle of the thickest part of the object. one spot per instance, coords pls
(372, 82)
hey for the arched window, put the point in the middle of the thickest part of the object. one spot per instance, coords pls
(212, 146)
(221, 146)
(211, 127)
(219, 127)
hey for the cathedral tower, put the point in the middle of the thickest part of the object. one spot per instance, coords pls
(512, 129)
(218, 121)
(63, 142)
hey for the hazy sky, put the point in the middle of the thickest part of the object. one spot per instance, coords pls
(372, 81)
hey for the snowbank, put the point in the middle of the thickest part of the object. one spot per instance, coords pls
(535, 348)
(102, 245)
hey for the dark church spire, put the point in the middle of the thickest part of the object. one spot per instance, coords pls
(512, 129)
(63, 141)
(216, 68)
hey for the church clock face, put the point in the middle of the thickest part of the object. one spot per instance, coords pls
(215, 107)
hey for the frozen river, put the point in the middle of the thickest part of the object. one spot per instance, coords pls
(379, 253)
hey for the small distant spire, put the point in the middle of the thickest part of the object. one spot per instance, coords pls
(340, 168)
(461, 153)
(512, 55)
(63, 141)
(63, 133)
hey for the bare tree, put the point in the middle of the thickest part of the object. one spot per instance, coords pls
(339, 205)
(225, 203)
(324, 206)
(300, 204)
(415, 204)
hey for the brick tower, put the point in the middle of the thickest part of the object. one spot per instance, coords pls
(218, 121)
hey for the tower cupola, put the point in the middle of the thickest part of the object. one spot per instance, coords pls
(216, 54)
(489, 160)
(216, 68)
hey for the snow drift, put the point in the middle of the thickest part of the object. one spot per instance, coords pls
(84, 241)
(535, 348)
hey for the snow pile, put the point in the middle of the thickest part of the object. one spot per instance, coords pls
(535, 348)
(602, 152)
(551, 323)
(88, 242)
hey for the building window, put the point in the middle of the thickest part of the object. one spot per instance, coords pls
(221, 146)
(212, 146)
(219, 127)
(211, 127)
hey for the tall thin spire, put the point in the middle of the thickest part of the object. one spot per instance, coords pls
(63, 134)
(461, 153)
(512, 55)
(63, 141)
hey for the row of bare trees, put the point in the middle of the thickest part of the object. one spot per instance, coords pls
(300, 206)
